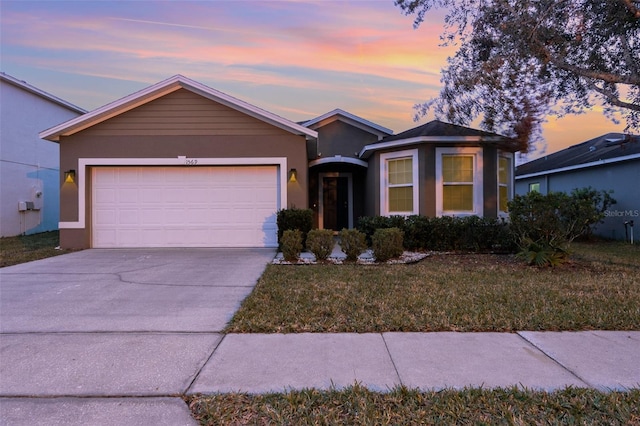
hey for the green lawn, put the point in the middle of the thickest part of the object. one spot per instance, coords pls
(400, 406)
(25, 248)
(598, 289)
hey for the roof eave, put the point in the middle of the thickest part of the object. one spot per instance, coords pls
(579, 166)
(163, 88)
(38, 92)
(339, 114)
(369, 149)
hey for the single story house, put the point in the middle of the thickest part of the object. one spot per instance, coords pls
(608, 162)
(29, 166)
(180, 164)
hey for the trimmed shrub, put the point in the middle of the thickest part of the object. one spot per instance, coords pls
(387, 244)
(320, 243)
(353, 243)
(446, 233)
(291, 244)
(300, 219)
(417, 232)
(369, 224)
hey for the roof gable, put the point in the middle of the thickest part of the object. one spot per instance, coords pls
(344, 116)
(605, 148)
(164, 88)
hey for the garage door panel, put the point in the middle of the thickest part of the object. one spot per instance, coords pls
(213, 206)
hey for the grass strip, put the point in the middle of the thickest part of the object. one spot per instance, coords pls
(356, 405)
(25, 248)
(599, 289)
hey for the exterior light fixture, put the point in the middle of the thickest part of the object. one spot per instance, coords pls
(70, 176)
(293, 175)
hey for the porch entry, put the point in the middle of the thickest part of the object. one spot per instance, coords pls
(336, 201)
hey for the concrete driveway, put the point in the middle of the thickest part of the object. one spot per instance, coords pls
(115, 323)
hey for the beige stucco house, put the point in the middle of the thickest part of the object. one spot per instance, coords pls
(180, 164)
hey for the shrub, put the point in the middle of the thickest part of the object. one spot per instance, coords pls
(300, 219)
(588, 208)
(369, 224)
(352, 242)
(387, 244)
(541, 254)
(320, 243)
(548, 223)
(291, 244)
(471, 233)
(417, 232)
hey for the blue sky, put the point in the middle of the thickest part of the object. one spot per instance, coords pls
(298, 59)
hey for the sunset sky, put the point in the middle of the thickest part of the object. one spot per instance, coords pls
(298, 59)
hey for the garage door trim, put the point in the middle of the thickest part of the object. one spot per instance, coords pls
(84, 163)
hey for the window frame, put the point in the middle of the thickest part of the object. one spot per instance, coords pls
(384, 181)
(510, 182)
(478, 191)
(534, 187)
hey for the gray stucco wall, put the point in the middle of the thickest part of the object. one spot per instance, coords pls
(623, 178)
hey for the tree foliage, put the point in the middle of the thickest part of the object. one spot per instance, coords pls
(519, 61)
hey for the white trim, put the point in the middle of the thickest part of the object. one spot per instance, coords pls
(161, 89)
(510, 184)
(83, 163)
(38, 92)
(366, 151)
(384, 181)
(580, 166)
(338, 159)
(349, 118)
(321, 177)
(478, 191)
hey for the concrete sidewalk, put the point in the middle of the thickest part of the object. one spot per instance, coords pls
(116, 337)
(257, 363)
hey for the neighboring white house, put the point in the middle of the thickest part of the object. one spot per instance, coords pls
(29, 166)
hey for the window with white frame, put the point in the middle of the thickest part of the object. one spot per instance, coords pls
(459, 181)
(534, 187)
(504, 183)
(399, 183)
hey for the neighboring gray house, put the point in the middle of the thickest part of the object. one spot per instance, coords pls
(608, 162)
(29, 171)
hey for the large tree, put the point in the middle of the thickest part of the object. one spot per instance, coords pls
(519, 61)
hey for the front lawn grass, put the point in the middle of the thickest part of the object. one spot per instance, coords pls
(25, 248)
(598, 289)
(359, 406)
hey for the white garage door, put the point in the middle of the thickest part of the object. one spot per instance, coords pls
(212, 206)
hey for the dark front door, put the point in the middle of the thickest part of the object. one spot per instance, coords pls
(335, 203)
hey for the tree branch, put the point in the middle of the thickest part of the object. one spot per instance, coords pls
(633, 80)
(635, 11)
(613, 99)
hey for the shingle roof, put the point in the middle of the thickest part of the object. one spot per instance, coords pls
(602, 148)
(439, 128)
(440, 132)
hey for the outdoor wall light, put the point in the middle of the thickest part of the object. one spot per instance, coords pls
(293, 175)
(70, 176)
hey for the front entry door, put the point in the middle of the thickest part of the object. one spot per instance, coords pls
(335, 199)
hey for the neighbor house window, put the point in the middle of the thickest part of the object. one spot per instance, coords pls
(459, 181)
(504, 183)
(399, 183)
(534, 187)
